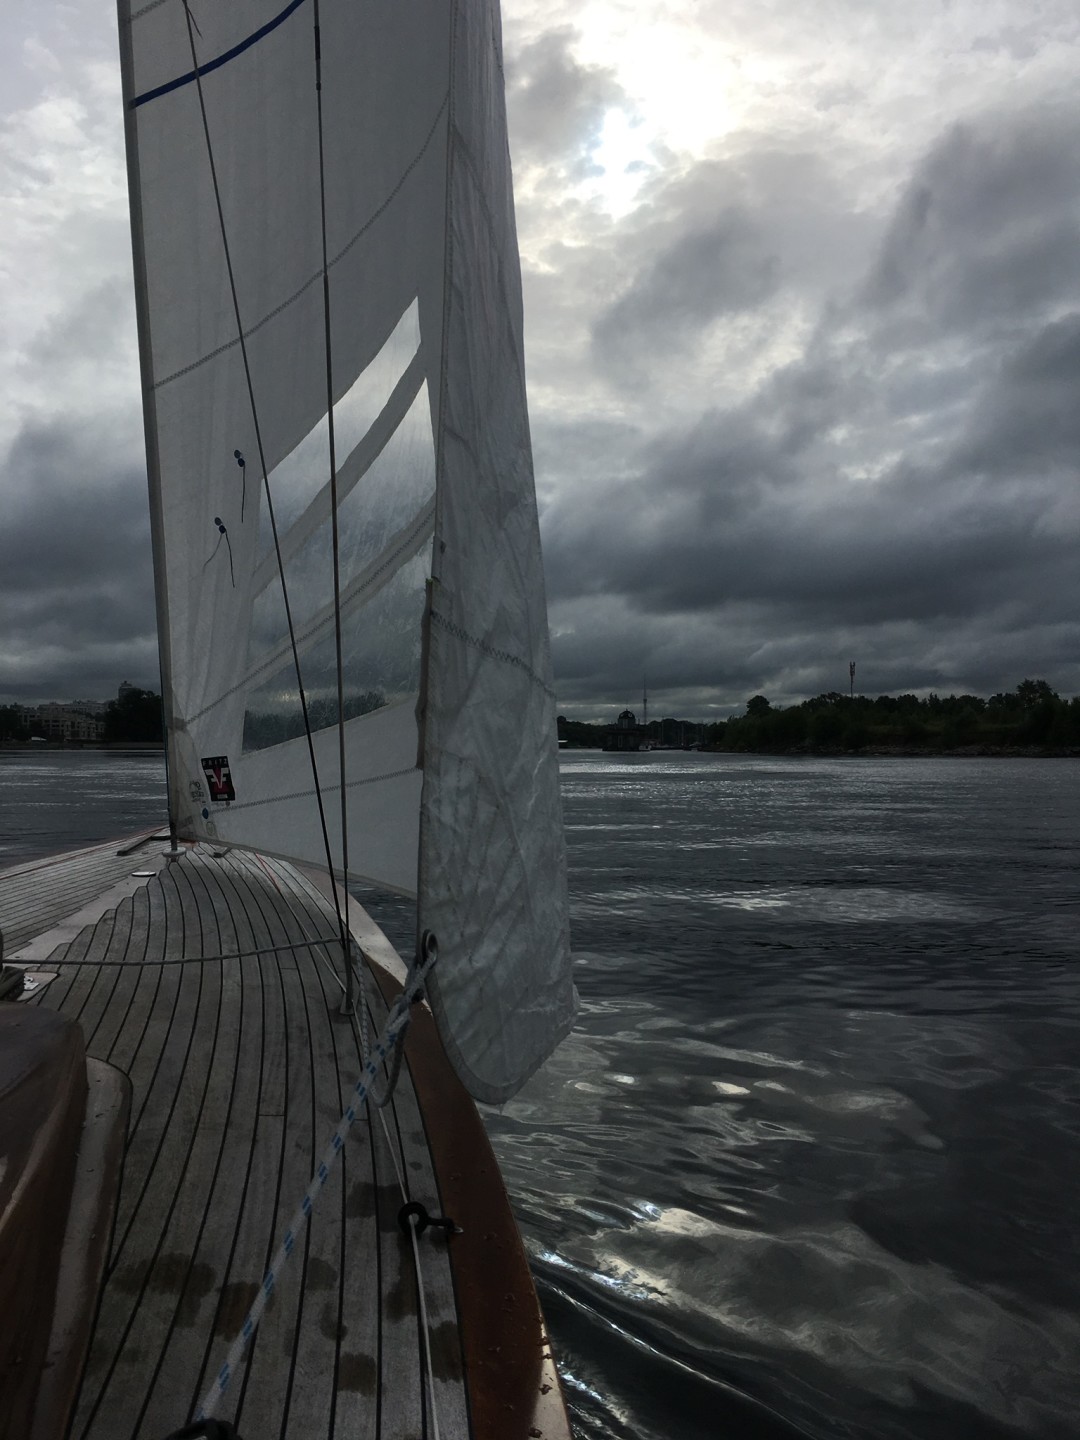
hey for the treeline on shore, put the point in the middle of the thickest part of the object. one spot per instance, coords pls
(1031, 717)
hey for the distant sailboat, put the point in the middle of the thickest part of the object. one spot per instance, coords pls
(356, 681)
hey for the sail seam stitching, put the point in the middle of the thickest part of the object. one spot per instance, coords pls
(489, 222)
(491, 651)
(317, 277)
(413, 163)
(138, 14)
(326, 789)
(232, 344)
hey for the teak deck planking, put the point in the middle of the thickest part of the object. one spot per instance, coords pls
(240, 1066)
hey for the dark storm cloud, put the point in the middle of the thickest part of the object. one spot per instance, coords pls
(723, 252)
(719, 269)
(906, 487)
(913, 545)
(69, 516)
(1027, 420)
(76, 588)
(988, 230)
(578, 451)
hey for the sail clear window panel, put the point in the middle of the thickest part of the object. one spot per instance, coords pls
(375, 521)
(412, 539)
(359, 407)
(381, 664)
(304, 473)
(293, 484)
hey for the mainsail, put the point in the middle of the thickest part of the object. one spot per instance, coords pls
(360, 264)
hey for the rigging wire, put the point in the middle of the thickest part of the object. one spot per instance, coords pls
(349, 1000)
(191, 28)
(361, 1027)
(425, 1323)
(412, 1228)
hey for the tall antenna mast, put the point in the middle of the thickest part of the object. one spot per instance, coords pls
(644, 704)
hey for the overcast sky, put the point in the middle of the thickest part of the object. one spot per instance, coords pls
(802, 291)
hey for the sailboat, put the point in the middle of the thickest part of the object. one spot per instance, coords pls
(245, 1185)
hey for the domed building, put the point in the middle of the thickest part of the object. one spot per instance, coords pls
(625, 734)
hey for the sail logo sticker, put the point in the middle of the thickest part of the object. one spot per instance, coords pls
(219, 778)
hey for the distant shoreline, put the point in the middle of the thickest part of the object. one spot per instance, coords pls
(878, 752)
(899, 752)
(111, 747)
(962, 752)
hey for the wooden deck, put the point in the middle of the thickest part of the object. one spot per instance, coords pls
(37, 897)
(203, 988)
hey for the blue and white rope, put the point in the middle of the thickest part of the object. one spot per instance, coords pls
(396, 1025)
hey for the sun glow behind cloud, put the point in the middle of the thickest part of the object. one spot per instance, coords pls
(622, 159)
(683, 83)
(683, 95)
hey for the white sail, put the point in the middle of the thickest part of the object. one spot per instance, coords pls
(228, 177)
(493, 886)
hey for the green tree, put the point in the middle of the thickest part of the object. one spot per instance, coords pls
(856, 735)
(826, 729)
(1032, 693)
(12, 724)
(135, 716)
(788, 727)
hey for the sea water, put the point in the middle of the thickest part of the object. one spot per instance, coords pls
(56, 800)
(809, 1163)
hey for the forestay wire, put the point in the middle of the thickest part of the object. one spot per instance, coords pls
(333, 495)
